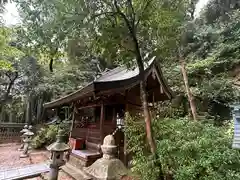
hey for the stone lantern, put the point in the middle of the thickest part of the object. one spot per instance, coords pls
(57, 150)
(108, 167)
(120, 122)
(25, 129)
(30, 127)
(27, 139)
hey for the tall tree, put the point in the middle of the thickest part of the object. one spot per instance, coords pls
(121, 30)
(181, 56)
(9, 59)
(134, 29)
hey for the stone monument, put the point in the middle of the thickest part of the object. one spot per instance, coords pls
(108, 167)
(27, 139)
(25, 129)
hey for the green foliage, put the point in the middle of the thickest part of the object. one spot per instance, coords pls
(47, 135)
(5, 65)
(142, 161)
(8, 54)
(188, 150)
(212, 56)
(197, 150)
(82, 27)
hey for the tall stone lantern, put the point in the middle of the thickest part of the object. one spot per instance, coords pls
(27, 139)
(57, 150)
(108, 167)
(25, 129)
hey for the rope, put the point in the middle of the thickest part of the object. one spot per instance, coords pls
(116, 130)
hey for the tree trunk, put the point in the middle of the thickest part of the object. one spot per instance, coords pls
(39, 109)
(146, 111)
(28, 110)
(187, 88)
(9, 88)
(147, 117)
(2, 116)
(143, 93)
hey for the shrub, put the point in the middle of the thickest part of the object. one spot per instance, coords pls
(188, 150)
(142, 162)
(47, 135)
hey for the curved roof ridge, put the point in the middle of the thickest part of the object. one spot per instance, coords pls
(115, 78)
(123, 73)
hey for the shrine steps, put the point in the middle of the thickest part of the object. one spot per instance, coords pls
(75, 172)
(83, 158)
(93, 139)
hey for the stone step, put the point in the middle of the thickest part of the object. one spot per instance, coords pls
(75, 173)
(77, 161)
(25, 172)
(83, 158)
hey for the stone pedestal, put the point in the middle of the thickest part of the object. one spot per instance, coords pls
(108, 167)
(57, 150)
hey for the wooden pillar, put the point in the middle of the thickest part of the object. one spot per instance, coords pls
(73, 120)
(125, 160)
(102, 122)
(11, 117)
(153, 107)
(114, 117)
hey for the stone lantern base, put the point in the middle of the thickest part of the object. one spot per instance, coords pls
(107, 169)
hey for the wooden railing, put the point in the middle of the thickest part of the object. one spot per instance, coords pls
(10, 132)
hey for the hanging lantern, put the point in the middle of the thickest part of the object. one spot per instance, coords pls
(120, 122)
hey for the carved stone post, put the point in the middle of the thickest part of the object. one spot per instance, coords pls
(108, 167)
(25, 129)
(27, 139)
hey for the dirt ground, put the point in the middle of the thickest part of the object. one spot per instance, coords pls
(9, 158)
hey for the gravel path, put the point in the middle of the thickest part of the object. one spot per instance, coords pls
(9, 158)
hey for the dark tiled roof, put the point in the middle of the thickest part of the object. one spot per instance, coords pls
(122, 73)
(119, 75)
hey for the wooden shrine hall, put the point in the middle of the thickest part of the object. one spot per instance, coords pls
(99, 105)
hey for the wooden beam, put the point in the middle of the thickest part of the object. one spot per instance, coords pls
(97, 104)
(162, 88)
(102, 116)
(89, 106)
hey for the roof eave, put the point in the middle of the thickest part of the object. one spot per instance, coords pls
(167, 89)
(66, 100)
